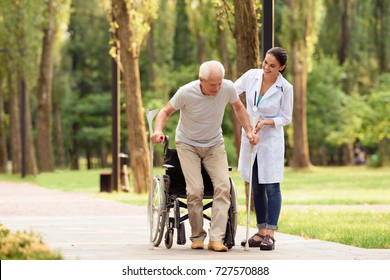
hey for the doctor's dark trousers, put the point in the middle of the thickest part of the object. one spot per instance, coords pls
(267, 200)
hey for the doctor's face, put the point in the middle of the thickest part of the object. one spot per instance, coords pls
(271, 66)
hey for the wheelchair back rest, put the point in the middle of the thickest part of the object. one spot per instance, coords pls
(177, 181)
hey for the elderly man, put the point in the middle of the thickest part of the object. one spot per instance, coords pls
(199, 141)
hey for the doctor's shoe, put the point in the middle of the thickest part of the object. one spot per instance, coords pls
(217, 246)
(197, 244)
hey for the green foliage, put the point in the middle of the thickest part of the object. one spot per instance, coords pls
(346, 103)
(375, 161)
(327, 116)
(21, 33)
(299, 30)
(377, 120)
(184, 51)
(330, 30)
(24, 245)
(94, 116)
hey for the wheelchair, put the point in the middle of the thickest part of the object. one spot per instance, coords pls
(167, 198)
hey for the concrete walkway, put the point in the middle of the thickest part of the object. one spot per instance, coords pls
(81, 227)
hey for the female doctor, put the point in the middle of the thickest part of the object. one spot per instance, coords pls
(270, 96)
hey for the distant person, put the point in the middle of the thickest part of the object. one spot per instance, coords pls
(270, 96)
(199, 140)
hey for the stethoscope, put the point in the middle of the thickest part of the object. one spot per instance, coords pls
(256, 103)
(256, 100)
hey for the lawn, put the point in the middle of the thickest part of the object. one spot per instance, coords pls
(302, 193)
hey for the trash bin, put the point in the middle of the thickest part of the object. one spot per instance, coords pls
(105, 182)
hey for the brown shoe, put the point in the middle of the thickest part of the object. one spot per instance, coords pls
(217, 246)
(197, 244)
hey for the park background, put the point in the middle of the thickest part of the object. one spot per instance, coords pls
(56, 89)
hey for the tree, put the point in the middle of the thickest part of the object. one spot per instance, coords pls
(3, 143)
(81, 71)
(382, 33)
(20, 24)
(248, 48)
(133, 24)
(248, 53)
(345, 31)
(44, 137)
(300, 28)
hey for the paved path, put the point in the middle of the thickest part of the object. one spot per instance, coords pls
(82, 227)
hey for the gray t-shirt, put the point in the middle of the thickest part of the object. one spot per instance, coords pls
(201, 116)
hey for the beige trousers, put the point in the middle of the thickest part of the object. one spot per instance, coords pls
(214, 160)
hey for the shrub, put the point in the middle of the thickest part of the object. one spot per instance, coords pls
(24, 245)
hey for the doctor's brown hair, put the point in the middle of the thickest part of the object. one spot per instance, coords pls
(281, 55)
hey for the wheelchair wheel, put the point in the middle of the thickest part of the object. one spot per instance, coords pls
(231, 227)
(234, 206)
(169, 238)
(157, 210)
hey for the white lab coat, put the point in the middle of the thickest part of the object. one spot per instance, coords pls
(276, 104)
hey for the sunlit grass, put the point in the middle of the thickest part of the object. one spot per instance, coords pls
(365, 229)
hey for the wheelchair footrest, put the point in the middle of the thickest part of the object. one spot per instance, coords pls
(181, 235)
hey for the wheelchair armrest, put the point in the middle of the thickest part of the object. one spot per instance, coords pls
(167, 166)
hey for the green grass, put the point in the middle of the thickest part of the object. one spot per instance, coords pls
(363, 229)
(318, 186)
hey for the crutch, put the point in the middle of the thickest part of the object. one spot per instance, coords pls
(253, 120)
(150, 115)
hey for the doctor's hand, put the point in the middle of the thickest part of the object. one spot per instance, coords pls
(259, 126)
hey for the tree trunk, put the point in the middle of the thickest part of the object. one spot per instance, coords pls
(222, 41)
(247, 39)
(345, 32)
(31, 158)
(225, 60)
(74, 150)
(103, 156)
(383, 33)
(349, 158)
(201, 48)
(45, 150)
(88, 155)
(151, 58)
(301, 26)
(300, 158)
(138, 144)
(15, 140)
(60, 153)
(3, 136)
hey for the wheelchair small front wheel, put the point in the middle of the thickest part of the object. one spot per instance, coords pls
(169, 238)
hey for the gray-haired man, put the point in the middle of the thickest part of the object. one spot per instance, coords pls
(199, 139)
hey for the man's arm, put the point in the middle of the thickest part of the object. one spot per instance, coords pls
(243, 118)
(162, 118)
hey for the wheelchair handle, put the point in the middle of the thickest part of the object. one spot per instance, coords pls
(166, 143)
